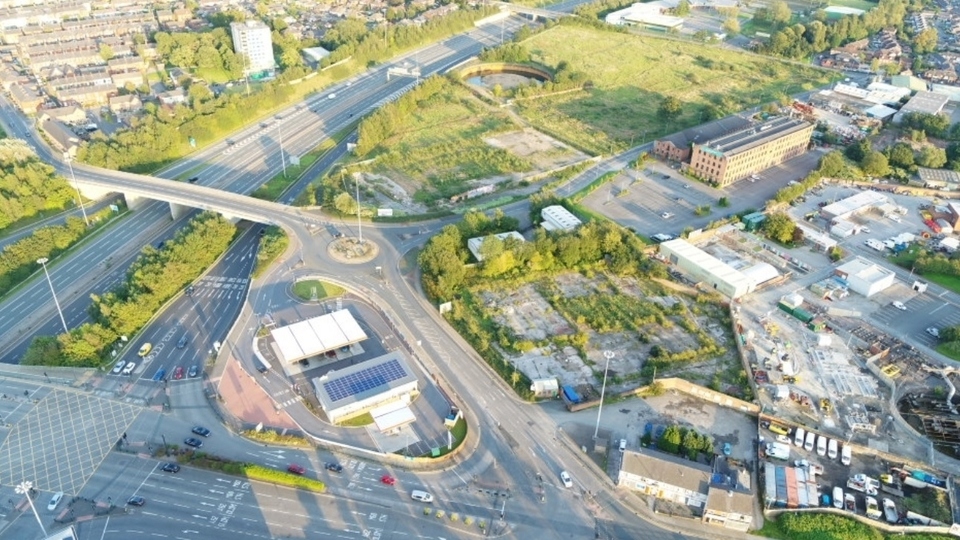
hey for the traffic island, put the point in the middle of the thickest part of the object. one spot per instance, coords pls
(352, 250)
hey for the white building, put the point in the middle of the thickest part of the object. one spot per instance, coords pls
(558, 218)
(363, 387)
(706, 268)
(864, 277)
(316, 336)
(473, 244)
(252, 40)
(922, 102)
(665, 477)
(861, 202)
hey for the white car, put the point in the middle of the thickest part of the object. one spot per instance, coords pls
(666, 215)
(565, 478)
(130, 367)
(55, 501)
(933, 332)
(118, 367)
(899, 305)
(896, 219)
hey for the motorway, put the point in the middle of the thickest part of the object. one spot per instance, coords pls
(520, 441)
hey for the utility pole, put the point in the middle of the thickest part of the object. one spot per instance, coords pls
(77, 187)
(283, 161)
(359, 224)
(24, 488)
(608, 355)
(43, 262)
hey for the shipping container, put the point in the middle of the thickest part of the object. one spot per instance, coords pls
(803, 315)
(813, 494)
(802, 501)
(791, 487)
(770, 482)
(785, 307)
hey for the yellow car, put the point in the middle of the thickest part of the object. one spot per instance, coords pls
(145, 349)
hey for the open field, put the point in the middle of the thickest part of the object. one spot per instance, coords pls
(305, 289)
(632, 74)
(455, 142)
(856, 4)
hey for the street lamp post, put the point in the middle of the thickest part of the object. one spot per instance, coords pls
(43, 262)
(359, 223)
(608, 355)
(23, 488)
(283, 161)
(77, 187)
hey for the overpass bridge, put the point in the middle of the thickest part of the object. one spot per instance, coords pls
(530, 12)
(94, 182)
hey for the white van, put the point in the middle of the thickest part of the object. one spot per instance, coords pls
(832, 449)
(821, 446)
(421, 496)
(846, 454)
(808, 444)
(798, 436)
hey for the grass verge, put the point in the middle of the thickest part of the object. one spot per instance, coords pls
(273, 437)
(273, 242)
(364, 419)
(272, 189)
(304, 289)
(250, 471)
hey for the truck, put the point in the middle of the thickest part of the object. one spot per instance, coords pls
(928, 478)
(850, 503)
(846, 454)
(890, 511)
(873, 511)
(778, 451)
(863, 484)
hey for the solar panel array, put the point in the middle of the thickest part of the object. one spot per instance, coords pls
(363, 380)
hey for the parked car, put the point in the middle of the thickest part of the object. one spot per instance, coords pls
(129, 369)
(296, 469)
(193, 441)
(333, 467)
(565, 478)
(933, 332)
(136, 501)
(170, 468)
(178, 373)
(623, 444)
(201, 431)
(388, 480)
(899, 305)
(55, 501)
(193, 372)
(118, 367)
(727, 449)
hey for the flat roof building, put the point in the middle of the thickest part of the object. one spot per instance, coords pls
(922, 102)
(558, 218)
(363, 387)
(740, 154)
(252, 39)
(678, 146)
(855, 204)
(316, 336)
(665, 477)
(864, 277)
(706, 268)
(473, 244)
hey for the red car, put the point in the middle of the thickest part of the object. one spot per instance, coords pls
(296, 469)
(178, 373)
(388, 480)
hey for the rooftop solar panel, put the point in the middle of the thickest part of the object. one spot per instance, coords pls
(361, 381)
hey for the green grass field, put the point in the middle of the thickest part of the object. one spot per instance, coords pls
(304, 289)
(442, 147)
(857, 4)
(631, 76)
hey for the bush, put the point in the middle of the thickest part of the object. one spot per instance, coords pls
(272, 244)
(272, 437)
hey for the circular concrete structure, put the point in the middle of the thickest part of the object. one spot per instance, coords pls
(351, 251)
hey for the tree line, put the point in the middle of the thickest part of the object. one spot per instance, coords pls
(681, 440)
(204, 50)
(28, 187)
(387, 120)
(155, 277)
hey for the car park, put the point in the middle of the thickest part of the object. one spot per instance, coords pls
(388, 480)
(201, 431)
(129, 369)
(145, 349)
(55, 501)
(193, 372)
(178, 373)
(296, 469)
(333, 467)
(170, 468)
(193, 441)
(118, 367)
(565, 478)
(136, 501)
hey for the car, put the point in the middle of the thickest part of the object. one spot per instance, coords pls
(178, 373)
(623, 444)
(193, 179)
(899, 305)
(136, 501)
(332, 96)
(145, 349)
(421, 496)
(333, 467)
(686, 186)
(896, 219)
(933, 332)
(129, 369)
(296, 469)
(55, 501)
(170, 468)
(780, 439)
(193, 441)
(193, 372)
(183, 341)
(727, 449)
(865, 230)
(201, 431)
(565, 478)
(388, 480)
(666, 215)
(665, 177)
(118, 367)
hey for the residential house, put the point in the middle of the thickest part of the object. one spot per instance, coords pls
(26, 97)
(61, 137)
(664, 476)
(127, 103)
(70, 114)
(172, 97)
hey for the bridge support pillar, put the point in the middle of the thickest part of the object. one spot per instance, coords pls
(134, 202)
(178, 210)
(93, 192)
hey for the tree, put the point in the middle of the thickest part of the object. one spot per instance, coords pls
(670, 108)
(875, 164)
(925, 41)
(682, 9)
(345, 203)
(832, 164)
(441, 263)
(949, 334)
(731, 26)
(670, 440)
(932, 157)
(106, 52)
(780, 12)
(779, 227)
(901, 155)
(858, 150)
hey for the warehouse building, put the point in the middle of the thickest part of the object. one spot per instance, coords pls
(558, 218)
(678, 146)
(864, 277)
(366, 386)
(855, 204)
(706, 268)
(316, 336)
(473, 244)
(739, 155)
(922, 102)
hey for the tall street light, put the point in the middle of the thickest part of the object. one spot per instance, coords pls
(43, 262)
(77, 187)
(359, 224)
(608, 355)
(283, 161)
(23, 488)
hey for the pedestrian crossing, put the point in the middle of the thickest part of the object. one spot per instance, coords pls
(219, 287)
